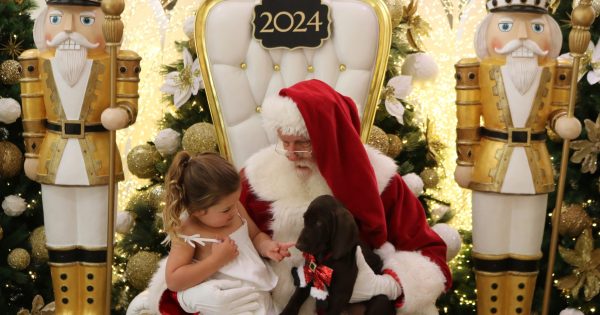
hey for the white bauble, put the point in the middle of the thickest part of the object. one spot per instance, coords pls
(571, 311)
(125, 222)
(188, 26)
(14, 205)
(414, 182)
(10, 110)
(451, 237)
(421, 67)
(167, 141)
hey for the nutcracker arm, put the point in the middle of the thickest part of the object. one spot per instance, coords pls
(560, 91)
(468, 110)
(128, 78)
(32, 100)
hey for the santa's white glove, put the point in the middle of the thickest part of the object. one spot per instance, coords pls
(219, 296)
(368, 284)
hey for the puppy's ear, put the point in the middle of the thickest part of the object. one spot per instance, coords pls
(345, 233)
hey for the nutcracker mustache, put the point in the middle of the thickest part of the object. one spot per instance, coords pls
(70, 41)
(521, 48)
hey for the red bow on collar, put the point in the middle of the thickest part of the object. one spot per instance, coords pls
(319, 276)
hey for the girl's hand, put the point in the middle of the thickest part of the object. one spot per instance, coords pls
(277, 251)
(225, 251)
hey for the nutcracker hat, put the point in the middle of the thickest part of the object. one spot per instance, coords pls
(531, 6)
(90, 3)
(330, 120)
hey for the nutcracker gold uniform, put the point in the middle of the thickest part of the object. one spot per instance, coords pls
(506, 99)
(64, 133)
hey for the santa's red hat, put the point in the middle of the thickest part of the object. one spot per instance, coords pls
(314, 109)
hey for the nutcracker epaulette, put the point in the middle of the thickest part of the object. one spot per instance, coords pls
(128, 55)
(30, 54)
(468, 62)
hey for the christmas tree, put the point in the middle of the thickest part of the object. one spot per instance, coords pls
(24, 273)
(577, 267)
(399, 132)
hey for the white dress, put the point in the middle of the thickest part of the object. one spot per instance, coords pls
(248, 266)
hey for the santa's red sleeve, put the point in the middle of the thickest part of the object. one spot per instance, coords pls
(413, 251)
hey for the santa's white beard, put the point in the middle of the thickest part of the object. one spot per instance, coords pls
(522, 72)
(71, 63)
(305, 169)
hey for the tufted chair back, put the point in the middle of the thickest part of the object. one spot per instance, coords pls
(239, 73)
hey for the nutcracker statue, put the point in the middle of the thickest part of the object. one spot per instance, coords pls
(519, 88)
(66, 91)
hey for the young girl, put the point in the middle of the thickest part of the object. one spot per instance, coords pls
(212, 236)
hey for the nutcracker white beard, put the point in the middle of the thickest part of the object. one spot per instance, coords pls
(522, 62)
(71, 55)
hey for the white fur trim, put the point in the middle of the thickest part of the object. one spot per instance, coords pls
(318, 294)
(385, 251)
(281, 113)
(301, 277)
(158, 285)
(384, 166)
(422, 281)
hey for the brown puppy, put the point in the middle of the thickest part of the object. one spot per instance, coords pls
(331, 236)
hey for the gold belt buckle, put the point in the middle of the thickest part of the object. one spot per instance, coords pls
(81, 124)
(519, 144)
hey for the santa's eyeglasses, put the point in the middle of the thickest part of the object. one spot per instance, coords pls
(305, 152)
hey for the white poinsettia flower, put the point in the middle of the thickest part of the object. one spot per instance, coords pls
(402, 85)
(182, 84)
(395, 108)
(593, 76)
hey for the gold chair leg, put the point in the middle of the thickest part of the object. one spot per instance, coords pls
(65, 285)
(490, 289)
(520, 289)
(92, 287)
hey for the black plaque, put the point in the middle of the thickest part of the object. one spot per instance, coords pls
(291, 23)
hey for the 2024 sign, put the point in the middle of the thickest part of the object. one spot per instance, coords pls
(291, 23)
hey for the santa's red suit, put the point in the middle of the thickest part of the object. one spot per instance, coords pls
(390, 218)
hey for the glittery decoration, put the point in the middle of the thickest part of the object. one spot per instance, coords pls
(141, 267)
(38, 307)
(553, 136)
(430, 178)
(13, 47)
(379, 139)
(200, 137)
(11, 159)
(585, 260)
(142, 159)
(18, 259)
(573, 220)
(586, 151)
(10, 72)
(156, 197)
(395, 8)
(395, 146)
(38, 245)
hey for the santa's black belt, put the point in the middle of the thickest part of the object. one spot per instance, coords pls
(516, 135)
(74, 128)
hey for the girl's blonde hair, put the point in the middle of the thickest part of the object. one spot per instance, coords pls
(195, 183)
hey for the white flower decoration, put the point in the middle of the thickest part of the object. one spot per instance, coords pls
(395, 108)
(399, 87)
(414, 183)
(593, 76)
(167, 141)
(10, 110)
(185, 83)
(14, 205)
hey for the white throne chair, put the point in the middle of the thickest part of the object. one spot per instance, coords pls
(239, 73)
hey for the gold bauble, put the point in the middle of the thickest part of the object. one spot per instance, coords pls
(140, 268)
(573, 220)
(156, 197)
(18, 259)
(379, 139)
(200, 137)
(430, 178)
(142, 159)
(395, 147)
(395, 8)
(39, 252)
(11, 159)
(10, 72)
